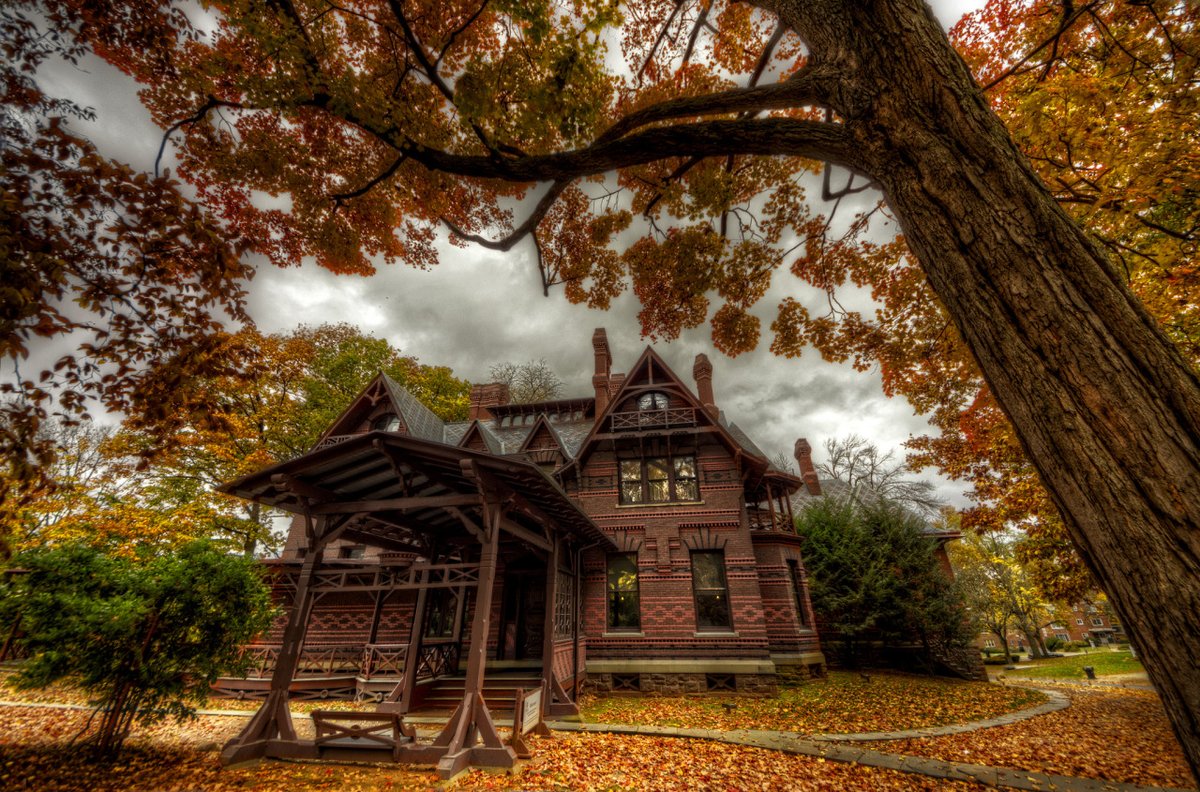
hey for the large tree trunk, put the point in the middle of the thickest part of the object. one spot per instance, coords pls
(1104, 405)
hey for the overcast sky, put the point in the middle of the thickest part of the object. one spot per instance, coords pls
(477, 308)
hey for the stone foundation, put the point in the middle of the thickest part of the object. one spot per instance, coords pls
(674, 684)
(800, 667)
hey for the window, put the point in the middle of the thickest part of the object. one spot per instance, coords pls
(659, 480)
(652, 401)
(388, 422)
(352, 552)
(624, 611)
(990, 643)
(1097, 621)
(440, 613)
(798, 591)
(1079, 621)
(710, 590)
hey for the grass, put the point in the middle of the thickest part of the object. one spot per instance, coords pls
(1105, 663)
(844, 703)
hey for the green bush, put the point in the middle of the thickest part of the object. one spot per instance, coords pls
(873, 576)
(146, 636)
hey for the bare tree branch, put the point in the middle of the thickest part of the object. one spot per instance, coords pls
(531, 222)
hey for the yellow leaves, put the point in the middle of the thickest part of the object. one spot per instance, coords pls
(734, 330)
(1120, 735)
(671, 276)
(843, 704)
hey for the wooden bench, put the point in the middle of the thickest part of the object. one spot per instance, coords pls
(377, 731)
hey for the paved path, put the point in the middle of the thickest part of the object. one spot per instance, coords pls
(833, 747)
(1127, 684)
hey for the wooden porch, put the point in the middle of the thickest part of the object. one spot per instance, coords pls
(456, 515)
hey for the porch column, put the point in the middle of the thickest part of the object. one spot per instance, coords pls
(555, 701)
(771, 506)
(470, 737)
(273, 721)
(412, 654)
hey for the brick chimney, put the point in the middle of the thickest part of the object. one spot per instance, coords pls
(484, 397)
(702, 372)
(603, 368)
(803, 453)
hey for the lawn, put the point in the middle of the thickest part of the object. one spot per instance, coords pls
(844, 703)
(1105, 663)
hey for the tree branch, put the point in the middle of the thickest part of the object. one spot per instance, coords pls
(1063, 26)
(211, 103)
(765, 137)
(531, 222)
(807, 86)
(387, 172)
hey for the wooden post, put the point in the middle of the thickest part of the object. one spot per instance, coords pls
(376, 614)
(273, 721)
(552, 561)
(770, 505)
(412, 655)
(470, 736)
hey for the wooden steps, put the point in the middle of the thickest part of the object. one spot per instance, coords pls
(499, 691)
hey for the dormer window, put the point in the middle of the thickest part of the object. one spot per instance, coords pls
(652, 401)
(388, 422)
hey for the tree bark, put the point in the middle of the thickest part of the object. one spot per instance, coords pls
(1104, 405)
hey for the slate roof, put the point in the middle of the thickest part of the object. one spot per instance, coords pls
(506, 440)
(419, 419)
(571, 434)
(742, 439)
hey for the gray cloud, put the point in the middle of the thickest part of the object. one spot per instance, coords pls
(478, 308)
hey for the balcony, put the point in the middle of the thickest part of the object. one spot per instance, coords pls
(653, 419)
(763, 520)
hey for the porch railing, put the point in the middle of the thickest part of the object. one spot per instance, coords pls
(438, 659)
(381, 660)
(370, 661)
(761, 520)
(645, 419)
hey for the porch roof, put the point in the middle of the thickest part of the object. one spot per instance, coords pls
(399, 492)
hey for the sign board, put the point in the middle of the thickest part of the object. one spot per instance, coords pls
(531, 710)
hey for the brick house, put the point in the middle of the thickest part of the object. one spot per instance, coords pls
(647, 544)
(1088, 622)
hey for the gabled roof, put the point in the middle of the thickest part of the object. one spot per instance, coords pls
(542, 427)
(419, 419)
(481, 434)
(369, 475)
(651, 370)
(416, 420)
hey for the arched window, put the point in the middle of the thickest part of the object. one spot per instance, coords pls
(388, 422)
(652, 401)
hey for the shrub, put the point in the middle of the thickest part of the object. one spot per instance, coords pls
(873, 576)
(146, 636)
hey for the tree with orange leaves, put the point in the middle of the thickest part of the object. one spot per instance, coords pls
(384, 121)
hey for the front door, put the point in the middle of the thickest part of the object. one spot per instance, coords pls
(523, 616)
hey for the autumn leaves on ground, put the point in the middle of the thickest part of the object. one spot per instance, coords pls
(1119, 735)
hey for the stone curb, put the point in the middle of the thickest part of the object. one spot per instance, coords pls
(934, 768)
(1078, 683)
(1055, 701)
